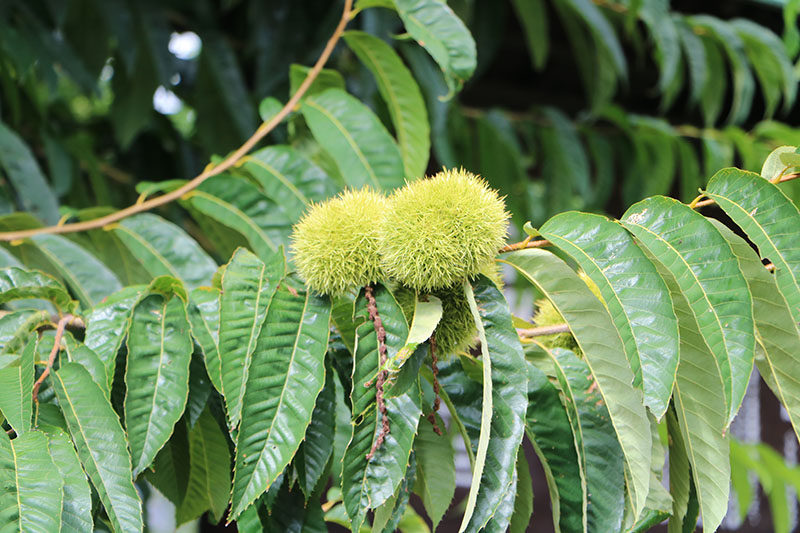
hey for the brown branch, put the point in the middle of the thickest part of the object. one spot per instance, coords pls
(62, 324)
(437, 400)
(380, 332)
(229, 161)
(543, 330)
(527, 243)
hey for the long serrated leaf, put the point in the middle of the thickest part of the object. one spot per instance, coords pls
(76, 509)
(701, 412)
(17, 326)
(157, 375)
(636, 296)
(402, 96)
(164, 249)
(777, 331)
(434, 25)
(523, 502)
(204, 319)
(500, 346)
(368, 484)
(680, 477)
(695, 54)
(88, 278)
(291, 180)
(239, 205)
(32, 490)
(351, 133)
(16, 283)
(286, 375)
(597, 444)
(312, 458)
(25, 175)
(436, 471)
(655, 15)
(107, 325)
(713, 97)
(700, 259)
(83, 355)
(101, 445)
(769, 219)
(16, 387)
(550, 432)
(248, 287)
(209, 474)
(590, 324)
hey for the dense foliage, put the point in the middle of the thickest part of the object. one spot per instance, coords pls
(268, 351)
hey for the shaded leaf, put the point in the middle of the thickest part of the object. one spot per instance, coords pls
(16, 388)
(436, 471)
(16, 283)
(76, 507)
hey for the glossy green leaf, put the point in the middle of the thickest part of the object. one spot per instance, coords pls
(32, 490)
(164, 249)
(16, 387)
(209, 474)
(76, 507)
(779, 363)
(312, 458)
(700, 259)
(16, 328)
(590, 324)
(157, 374)
(368, 484)
(326, 79)
(532, 14)
(170, 471)
(436, 471)
(24, 173)
(402, 96)
(550, 432)
(78, 352)
(702, 415)
(286, 375)
(88, 278)
(107, 325)
(16, 283)
(248, 287)
(426, 316)
(499, 345)
(636, 296)
(436, 28)
(351, 133)
(743, 82)
(769, 219)
(204, 318)
(289, 178)
(239, 205)
(101, 445)
(598, 448)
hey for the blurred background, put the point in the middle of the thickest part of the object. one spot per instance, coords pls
(575, 104)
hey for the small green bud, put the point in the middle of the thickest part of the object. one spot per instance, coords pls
(440, 231)
(335, 244)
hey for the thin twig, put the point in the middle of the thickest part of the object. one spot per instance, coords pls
(62, 324)
(527, 243)
(229, 161)
(77, 322)
(543, 330)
